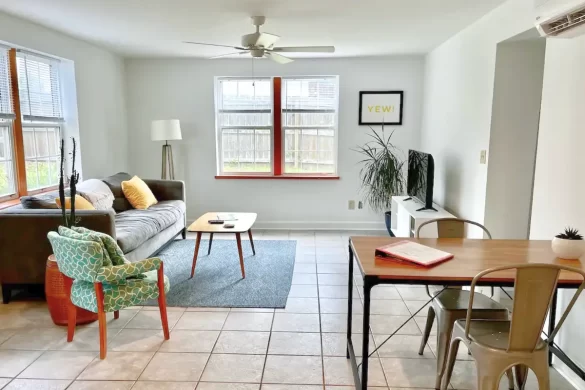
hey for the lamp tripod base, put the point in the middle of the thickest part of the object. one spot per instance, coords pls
(168, 169)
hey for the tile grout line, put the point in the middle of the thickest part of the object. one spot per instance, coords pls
(212, 349)
(320, 324)
(267, 349)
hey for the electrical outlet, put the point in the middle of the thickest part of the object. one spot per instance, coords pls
(483, 157)
(360, 205)
(351, 205)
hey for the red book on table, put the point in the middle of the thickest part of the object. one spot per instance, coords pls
(413, 253)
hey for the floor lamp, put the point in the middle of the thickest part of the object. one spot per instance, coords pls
(166, 130)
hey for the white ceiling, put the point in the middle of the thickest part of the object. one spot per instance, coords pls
(156, 28)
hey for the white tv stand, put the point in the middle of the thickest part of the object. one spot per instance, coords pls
(406, 219)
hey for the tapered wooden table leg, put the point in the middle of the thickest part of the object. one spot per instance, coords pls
(210, 241)
(251, 241)
(196, 253)
(239, 241)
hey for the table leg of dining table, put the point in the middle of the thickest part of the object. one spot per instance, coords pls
(349, 301)
(552, 319)
(366, 335)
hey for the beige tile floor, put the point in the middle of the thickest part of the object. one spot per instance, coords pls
(301, 347)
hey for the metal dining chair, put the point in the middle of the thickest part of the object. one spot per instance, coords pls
(451, 305)
(499, 345)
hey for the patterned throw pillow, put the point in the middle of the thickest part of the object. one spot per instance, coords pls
(86, 236)
(115, 253)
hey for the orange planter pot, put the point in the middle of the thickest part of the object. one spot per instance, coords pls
(57, 297)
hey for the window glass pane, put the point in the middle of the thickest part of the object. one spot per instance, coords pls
(245, 95)
(311, 94)
(7, 182)
(54, 171)
(41, 142)
(41, 150)
(309, 151)
(31, 175)
(245, 148)
(310, 131)
(28, 136)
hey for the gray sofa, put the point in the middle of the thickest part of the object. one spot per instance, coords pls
(24, 247)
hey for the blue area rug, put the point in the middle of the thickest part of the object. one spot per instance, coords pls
(218, 280)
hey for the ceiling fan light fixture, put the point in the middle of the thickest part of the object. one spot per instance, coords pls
(257, 53)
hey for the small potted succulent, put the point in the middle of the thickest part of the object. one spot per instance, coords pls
(569, 244)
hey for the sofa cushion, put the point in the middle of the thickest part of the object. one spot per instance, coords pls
(134, 227)
(115, 184)
(97, 193)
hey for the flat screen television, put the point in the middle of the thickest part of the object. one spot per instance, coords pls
(420, 179)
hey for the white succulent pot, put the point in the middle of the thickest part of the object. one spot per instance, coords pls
(568, 249)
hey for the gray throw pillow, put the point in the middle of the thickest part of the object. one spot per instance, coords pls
(114, 182)
(41, 201)
(97, 193)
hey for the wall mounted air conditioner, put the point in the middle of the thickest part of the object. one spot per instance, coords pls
(560, 18)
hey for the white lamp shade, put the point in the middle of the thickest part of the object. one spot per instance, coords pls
(165, 130)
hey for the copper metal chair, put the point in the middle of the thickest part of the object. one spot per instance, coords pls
(498, 346)
(451, 305)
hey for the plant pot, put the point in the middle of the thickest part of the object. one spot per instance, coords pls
(568, 249)
(388, 218)
(57, 298)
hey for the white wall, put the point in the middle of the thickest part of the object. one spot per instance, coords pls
(99, 82)
(513, 136)
(459, 84)
(559, 182)
(183, 89)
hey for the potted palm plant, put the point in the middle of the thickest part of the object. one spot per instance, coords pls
(382, 173)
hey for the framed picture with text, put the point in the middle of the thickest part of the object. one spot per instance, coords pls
(381, 107)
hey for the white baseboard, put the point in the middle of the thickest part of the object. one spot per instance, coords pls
(315, 225)
(568, 374)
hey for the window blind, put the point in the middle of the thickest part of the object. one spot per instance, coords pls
(39, 89)
(6, 107)
(317, 94)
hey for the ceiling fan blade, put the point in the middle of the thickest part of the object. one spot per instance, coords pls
(213, 44)
(278, 58)
(266, 39)
(228, 54)
(305, 49)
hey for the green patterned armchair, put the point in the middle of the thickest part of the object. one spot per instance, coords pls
(99, 278)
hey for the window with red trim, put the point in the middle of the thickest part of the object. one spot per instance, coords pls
(279, 126)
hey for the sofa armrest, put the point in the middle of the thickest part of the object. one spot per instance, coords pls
(167, 189)
(24, 246)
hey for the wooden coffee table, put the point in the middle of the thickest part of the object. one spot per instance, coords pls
(242, 224)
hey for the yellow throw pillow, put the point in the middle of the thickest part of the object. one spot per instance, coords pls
(138, 193)
(80, 203)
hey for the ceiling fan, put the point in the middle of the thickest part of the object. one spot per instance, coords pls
(261, 45)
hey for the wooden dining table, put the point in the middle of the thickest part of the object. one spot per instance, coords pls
(471, 256)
